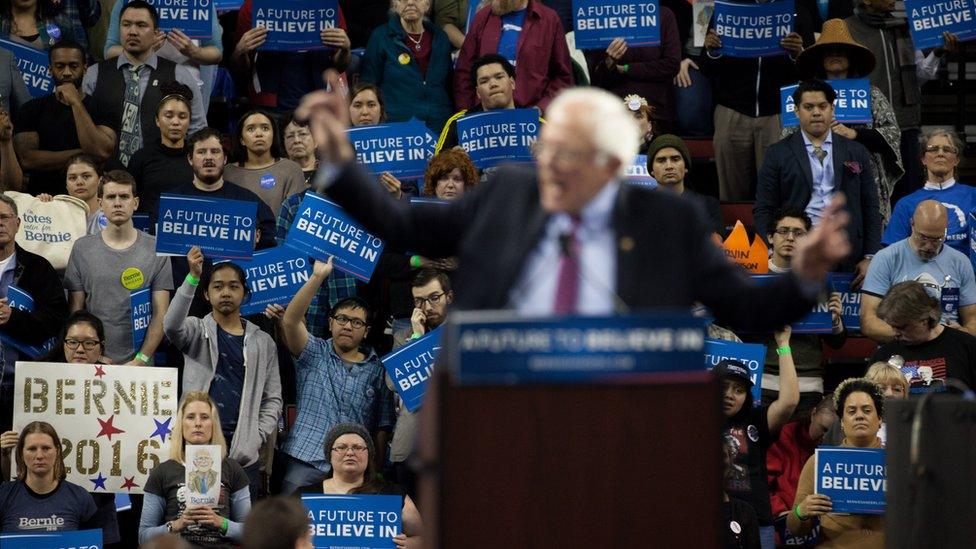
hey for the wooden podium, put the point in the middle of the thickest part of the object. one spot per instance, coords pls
(635, 464)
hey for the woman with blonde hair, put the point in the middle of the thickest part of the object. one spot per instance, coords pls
(165, 507)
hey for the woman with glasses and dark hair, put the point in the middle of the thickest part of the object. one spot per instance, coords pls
(351, 454)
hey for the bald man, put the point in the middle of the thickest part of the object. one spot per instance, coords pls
(946, 274)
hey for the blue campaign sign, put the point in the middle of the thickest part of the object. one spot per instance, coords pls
(751, 355)
(637, 173)
(228, 5)
(23, 301)
(399, 148)
(754, 29)
(852, 106)
(274, 276)
(503, 348)
(928, 19)
(598, 22)
(295, 25)
(77, 539)
(819, 321)
(411, 366)
(140, 302)
(33, 66)
(499, 136)
(222, 228)
(322, 229)
(853, 478)
(193, 17)
(850, 300)
(361, 521)
(141, 222)
(972, 238)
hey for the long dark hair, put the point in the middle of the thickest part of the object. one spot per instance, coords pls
(77, 317)
(240, 151)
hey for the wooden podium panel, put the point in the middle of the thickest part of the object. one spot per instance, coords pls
(634, 465)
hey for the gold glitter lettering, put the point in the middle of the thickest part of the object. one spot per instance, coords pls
(116, 458)
(144, 456)
(65, 453)
(40, 395)
(80, 457)
(62, 395)
(129, 398)
(95, 396)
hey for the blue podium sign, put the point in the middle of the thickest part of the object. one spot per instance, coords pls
(222, 228)
(751, 355)
(853, 478)
(353, 521)
(598, 22)
(411, 366)
(753, 30)
(75, 539)
(274, 276)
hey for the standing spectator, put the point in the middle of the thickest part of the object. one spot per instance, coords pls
(644, 70)
(259, 165)
(11, 83)
(409, 58)
(242, 375)
(84, 175)
(55, 127)
(161, 165)
(339, 380)
(693, 90)
(493, 81)
(527, 34)
(11, 174)
(104, 269)
(299, 145)
(34, 23)
(669, 161)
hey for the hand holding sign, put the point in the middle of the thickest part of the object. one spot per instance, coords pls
(814, 505)
(391, 184)
(950, 44)
(712, 40)
(782, 337)
(843, 130)
(195, 258)
(322, 269)
(792, 43)
(183, 43)
(615, 51)
(6, 127)
(251, 40)
(5, 310)
(336, 38)
(8, 440)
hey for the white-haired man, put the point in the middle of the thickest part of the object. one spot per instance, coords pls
(567, 236)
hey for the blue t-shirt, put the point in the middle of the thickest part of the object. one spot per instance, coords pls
(511, 30)
(228, 382)
(959, 199)
(69, 507)
(948, 277)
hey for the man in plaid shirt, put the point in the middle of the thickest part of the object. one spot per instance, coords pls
(338, 380)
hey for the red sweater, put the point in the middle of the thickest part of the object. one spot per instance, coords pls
(784, 463)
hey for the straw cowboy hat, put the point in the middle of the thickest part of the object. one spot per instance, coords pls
(835, 35)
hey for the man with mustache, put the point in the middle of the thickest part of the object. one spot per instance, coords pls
(946, 274)
(669, 161)
(53, 128)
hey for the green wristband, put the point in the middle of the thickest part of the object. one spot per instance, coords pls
(415, 335)
(626, 68)
(784, 350)
(796, 511)
(142, 358)
(192, 279)
(225, 526)
(415, 261)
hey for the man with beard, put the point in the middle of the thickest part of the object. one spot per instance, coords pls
(339, 380)
(669, 161)
(923, 257)
(53, 128)
(527, 34)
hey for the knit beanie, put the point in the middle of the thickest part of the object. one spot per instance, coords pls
(345, 429)
(663, 142)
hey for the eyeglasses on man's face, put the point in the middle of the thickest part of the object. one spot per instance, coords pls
(925, 239)
(796, 232)
(434, 299)
(344, 320)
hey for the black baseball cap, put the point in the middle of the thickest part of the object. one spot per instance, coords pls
(733, 369)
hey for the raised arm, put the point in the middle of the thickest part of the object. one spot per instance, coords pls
(293, 322)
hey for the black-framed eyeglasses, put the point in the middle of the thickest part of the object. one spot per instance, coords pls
(797, 233)
(344, 320)
(944, 148)
(433, 299)
(86, 344)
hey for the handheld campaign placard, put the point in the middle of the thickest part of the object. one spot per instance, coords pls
(751, 355)
(637, 173)
(361, 521)
(23, 301)
(114, 421)
(295, 25)
(598, 22)
(411, 366)
(222, 228)
(274, 276)
(496, 347)
(140, 302)
(819, 321)
(80, 539)
(322, 229)
(499, 136)
(850, 300)
(33, 67)
(400, 148)
(853, 478)
(202, 474)
(753, 30)
(928, 19)
(193, 17)
(852, 106)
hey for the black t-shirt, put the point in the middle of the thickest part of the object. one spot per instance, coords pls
(380, 489)
(740, 526)
(228, 382)
(158, 169)
(748, 433)
(951, 354)
(56, 131)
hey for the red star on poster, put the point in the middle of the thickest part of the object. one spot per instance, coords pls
(107, 428)
(129, 484)
(99, 372)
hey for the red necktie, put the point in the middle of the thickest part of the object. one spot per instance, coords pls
(567, 285)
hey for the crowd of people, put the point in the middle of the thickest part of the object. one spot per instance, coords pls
(129, 122)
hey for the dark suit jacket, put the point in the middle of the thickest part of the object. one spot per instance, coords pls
(37, 277)
(665, 257)
(787, 179)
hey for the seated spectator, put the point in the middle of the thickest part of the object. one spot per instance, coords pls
(41, 495)
(669, 161)
(643, 70)
(55, 127)
(107, 83)
(449, 175)
(366, 108)
(165, 506)
(279, 79)
(692, 89)
(922, 257)
(644, 115)
(893, 384)
(11, 83)
(940, 156)
(11, 174)
(35, 276)
(750, 430)
(242, 377)
(160, 166)
(353, 471)
(104, 269)
(930, 351)
(860, 407)
(837, 56)
(277, 523)
(84, 175)
(493, 81)
(805, 169)
(34, 23)
(529, 36)
(259, 165)
(339, 380)
(299, 145)
(416, 79)
(743, 527)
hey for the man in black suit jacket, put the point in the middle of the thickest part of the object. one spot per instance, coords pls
(787, 176)
(659, 247)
